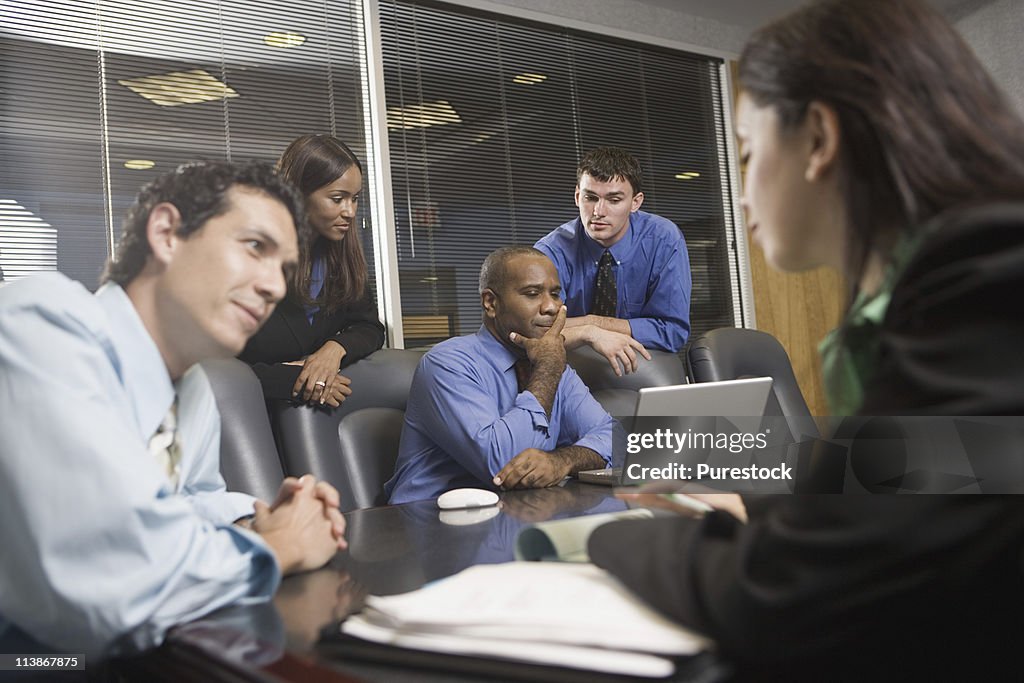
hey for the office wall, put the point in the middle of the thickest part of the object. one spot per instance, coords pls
(994, 30)
(635, 17)
(798, 310)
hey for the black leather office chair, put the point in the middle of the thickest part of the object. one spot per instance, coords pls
(618, 394)
(734, 353)
(307, 436)
(368, 446)
(248, 459)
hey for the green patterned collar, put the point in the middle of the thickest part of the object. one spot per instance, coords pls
(849, 353)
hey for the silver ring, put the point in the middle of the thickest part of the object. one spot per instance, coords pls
(320, 384)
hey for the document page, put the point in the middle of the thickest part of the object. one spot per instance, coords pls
(574, 615)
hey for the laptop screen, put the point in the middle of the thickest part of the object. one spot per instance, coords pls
(689, 430)
(730, 398)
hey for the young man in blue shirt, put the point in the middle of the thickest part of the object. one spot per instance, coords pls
(625, 273)
(116, 521)
(500, 408)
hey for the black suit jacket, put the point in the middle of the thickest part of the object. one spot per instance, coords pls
(885, 586)
(288, 336)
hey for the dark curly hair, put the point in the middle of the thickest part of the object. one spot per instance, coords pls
(199, 191)
(608, 163)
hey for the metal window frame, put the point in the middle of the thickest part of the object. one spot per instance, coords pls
(382, 199)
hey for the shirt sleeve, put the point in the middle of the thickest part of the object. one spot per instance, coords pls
(97, 556)
(664, 321)
(583, 421)
(552, 254)
(564, 267)
(461, 413)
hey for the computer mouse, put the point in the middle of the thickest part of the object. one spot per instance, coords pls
(466, 498)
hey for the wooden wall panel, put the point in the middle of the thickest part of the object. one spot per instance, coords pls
(798, 309)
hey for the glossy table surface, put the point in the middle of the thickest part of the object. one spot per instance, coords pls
(391, 550)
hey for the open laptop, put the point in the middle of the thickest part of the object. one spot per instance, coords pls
(745, 399)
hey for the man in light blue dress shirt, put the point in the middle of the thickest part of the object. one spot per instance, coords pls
(648, 261)
(500, 408)
(105, 547)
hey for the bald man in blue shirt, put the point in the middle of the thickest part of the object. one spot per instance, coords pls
(500, 408)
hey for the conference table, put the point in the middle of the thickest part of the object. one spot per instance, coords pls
(392, 550)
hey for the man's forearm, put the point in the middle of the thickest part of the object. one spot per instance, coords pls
(579, 458)
(607, 323)
(576, 329)
(577, 336)
(544, 381)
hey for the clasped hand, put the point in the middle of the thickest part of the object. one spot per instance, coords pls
(303, 526)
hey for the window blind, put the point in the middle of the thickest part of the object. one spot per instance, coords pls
(488, 116)
(101, 97)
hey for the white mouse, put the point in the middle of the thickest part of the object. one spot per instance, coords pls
(466, 498)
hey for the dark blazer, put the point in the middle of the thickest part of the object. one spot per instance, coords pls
(884, 586)
(287, 336)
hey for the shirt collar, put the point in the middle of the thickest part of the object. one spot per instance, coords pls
(621, 250)
(143, 371)
(496, 353)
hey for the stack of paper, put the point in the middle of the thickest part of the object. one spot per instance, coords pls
(572, 615)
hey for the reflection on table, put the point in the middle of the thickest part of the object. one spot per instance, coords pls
(392, 550)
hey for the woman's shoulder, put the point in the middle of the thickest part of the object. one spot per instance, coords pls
(974, 252)
(949, 343)
(968, 247)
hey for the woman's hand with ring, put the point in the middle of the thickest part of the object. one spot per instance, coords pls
(318, 371)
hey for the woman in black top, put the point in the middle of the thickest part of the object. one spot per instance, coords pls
(328, 320)
(874, 143)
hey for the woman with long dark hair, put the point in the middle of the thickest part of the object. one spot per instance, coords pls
(875, 143)
(328, 320)
(904, 132)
